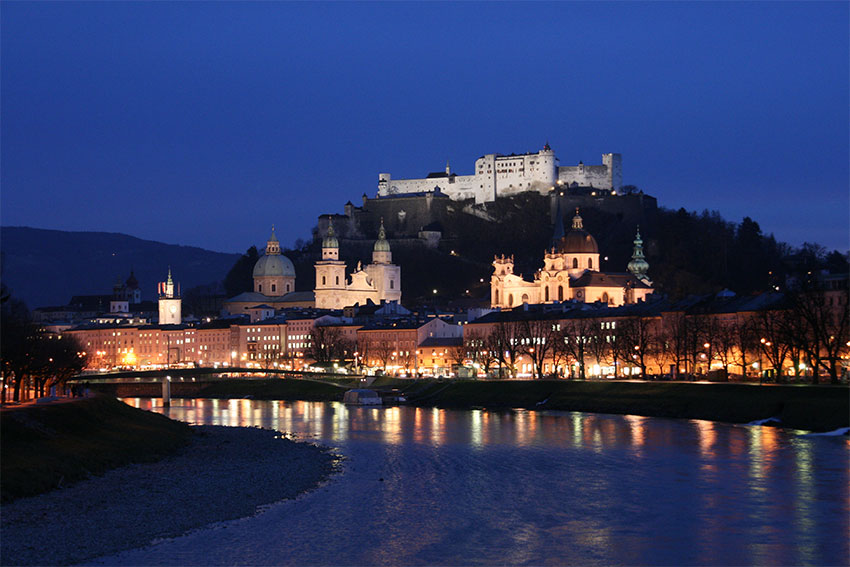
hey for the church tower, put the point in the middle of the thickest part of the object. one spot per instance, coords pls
(169, 302)
(639, 266)
(330, 274)
(385, 276)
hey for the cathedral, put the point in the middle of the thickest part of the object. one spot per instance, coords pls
(571, 271)
(378, 281)
(274, 280)
(274, 284)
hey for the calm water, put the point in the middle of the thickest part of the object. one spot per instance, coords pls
(430, 486)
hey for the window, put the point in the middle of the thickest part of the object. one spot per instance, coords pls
(497, 297)
(575, 262)
(260, 288)
(392, 284)
(560, 293)
(337, 280)
(547, 294)
(590, 263)
(274, 288)
(323, 280)
(511, 299)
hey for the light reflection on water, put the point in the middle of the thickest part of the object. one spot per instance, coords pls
(521, 487)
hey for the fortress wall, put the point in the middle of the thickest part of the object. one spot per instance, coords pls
(598, 176)
(403, 215)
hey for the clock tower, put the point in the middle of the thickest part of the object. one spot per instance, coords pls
(169, 302)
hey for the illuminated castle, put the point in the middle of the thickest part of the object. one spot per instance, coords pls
(498, 175)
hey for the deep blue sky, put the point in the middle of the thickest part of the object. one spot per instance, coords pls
(205, 123)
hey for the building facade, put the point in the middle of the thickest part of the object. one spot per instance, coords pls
(375, 282)
(570, 272)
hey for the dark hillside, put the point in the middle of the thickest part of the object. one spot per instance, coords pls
(688, 252)
(47, 267)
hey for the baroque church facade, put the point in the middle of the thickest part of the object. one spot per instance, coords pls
(274, 280)
(571, 272)
(376, 282)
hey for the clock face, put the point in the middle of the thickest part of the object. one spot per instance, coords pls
(173, 309)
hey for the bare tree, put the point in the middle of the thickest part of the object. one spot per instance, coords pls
(535, 340)
(745, 337)
(636, 342)
(324, 343)
(504, 341)
(723, 340)
(771, 325)
(825, 318)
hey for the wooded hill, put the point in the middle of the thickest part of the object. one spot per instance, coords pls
(688, 252)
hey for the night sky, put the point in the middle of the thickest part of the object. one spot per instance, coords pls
(205, 123)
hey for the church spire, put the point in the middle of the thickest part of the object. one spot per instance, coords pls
(381, 252)
(330, 240)
(272, 245)
(577, 221)
(639, 266)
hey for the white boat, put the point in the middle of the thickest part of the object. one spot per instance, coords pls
(362, 397)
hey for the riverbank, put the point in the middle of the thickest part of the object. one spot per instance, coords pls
(806, 407)
(810, 408)
(223, 474)
(47, 446)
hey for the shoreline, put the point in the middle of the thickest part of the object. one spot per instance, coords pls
(805, 407)
(134, 505)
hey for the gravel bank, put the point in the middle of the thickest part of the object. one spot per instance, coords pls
(223, 474)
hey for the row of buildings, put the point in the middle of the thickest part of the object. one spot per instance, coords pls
(715, 335)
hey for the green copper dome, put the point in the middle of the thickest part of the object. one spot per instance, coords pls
(330, 240)
(381, 245)
(638, 266)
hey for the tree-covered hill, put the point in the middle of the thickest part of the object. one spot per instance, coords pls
(48, 267)
(688, 252)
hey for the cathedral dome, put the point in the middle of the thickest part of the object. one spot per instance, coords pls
(382, 245)
(578, 240)
(330, 240)
(274, 265)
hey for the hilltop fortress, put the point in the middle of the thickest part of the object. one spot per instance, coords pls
(427, 211)
(499, 175)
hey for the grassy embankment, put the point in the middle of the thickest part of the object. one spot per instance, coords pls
(813, 408)
(45, 446)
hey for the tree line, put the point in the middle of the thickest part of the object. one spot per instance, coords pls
(32, 359)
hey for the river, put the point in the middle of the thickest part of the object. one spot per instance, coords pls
(432, 486)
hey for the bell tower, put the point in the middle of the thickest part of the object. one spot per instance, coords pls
(169, 302)
(330, 274)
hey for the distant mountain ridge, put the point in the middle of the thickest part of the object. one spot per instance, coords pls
(47, 267)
